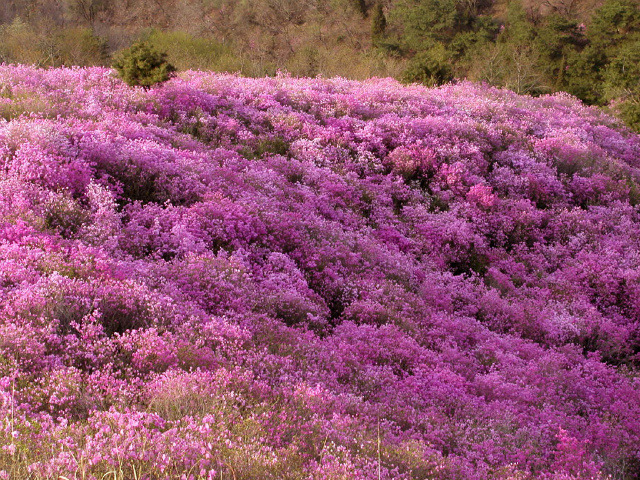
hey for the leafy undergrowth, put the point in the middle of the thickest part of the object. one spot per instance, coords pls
(288, 278)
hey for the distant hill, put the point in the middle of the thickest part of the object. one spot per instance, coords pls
(585, 47)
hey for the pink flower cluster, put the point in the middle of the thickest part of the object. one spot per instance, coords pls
(224, 277)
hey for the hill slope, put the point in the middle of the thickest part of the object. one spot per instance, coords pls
(286, 278)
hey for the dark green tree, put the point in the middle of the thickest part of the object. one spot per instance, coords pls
(607, 71)
(584, 75)
(614, 22)
(557, 39)
(431, 67)
(468, 45)
(518, 30)
(427, 21)
(142, 65)
(378, 23)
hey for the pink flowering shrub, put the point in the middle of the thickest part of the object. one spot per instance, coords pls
(224, 277)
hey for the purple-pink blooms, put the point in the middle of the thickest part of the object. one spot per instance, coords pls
(224, 277)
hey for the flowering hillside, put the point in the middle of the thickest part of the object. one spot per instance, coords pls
(285, 278)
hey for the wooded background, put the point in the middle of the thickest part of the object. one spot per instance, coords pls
(589, 48)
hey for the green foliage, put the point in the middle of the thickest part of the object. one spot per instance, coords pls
(584, 75)
(142, 65)
(622, 82)
(555, 40)
(629, 111)
(556, 35)
(378, 23)
(428, 21)
(275, 146)
(520, 69)
(64, 215)
(470, 45)
(614, 22)
(518, 30)
(622, 74)
(431, 67)
(608, 70)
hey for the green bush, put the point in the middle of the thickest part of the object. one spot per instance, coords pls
(142, 65)
(431, 67)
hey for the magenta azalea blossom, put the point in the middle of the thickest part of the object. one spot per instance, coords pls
(283, 278)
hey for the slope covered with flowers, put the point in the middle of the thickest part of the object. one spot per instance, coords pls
(287, 278)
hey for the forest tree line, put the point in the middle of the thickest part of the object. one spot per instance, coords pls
(589, 48)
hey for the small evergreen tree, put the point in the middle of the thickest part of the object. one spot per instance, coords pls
(378, 23)
(142, 65)
(430, 67)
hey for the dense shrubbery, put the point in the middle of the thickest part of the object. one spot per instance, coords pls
(284, 278)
